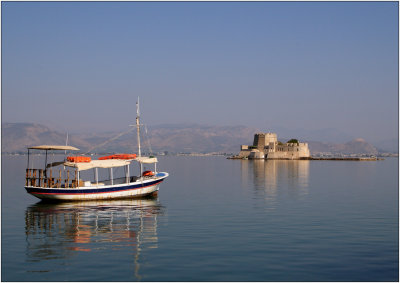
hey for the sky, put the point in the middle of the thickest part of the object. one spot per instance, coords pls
(80, 66)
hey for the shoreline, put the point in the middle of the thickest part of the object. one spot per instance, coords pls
(321, 158)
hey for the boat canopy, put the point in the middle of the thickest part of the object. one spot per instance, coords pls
(110, 163)
(146, 159)
(53, 147)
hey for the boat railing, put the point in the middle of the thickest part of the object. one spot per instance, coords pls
(66, 179)
(44, 178)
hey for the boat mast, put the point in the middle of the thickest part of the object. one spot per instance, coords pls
(138, 127)
(138, 136)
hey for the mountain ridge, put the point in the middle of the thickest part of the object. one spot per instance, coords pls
(173, 138)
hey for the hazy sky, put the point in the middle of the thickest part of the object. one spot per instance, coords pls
(313, 65)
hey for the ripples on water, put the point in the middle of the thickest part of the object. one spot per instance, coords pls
(214, 220)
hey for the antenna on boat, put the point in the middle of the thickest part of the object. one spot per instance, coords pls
(66, 143)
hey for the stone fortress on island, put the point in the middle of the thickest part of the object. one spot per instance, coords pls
(267, 146)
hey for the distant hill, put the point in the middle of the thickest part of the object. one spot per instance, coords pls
(322, 135)
(356, 146)
(200, 138)
(388, 145)
(359, 146)
(16, 137)
(176, 138)
(172, 138)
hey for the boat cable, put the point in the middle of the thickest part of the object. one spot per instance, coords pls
(148, 140)
(109, 140)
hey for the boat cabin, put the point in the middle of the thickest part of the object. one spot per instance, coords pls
(74, 171)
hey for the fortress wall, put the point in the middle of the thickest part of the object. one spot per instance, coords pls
(290, 151)
(244, 153)
(304, 151)
(256, 154)
(283, 155)
(271, 147)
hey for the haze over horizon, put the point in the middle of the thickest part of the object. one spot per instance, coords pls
(78, 66)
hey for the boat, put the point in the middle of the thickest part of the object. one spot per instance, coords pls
(68, 180)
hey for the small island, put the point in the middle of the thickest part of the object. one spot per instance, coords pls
(266, 146)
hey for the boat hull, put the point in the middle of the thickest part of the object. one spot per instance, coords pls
(130, 190)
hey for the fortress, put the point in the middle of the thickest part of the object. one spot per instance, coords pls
(267, 146)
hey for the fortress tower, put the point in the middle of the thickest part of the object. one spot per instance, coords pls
(261, 140)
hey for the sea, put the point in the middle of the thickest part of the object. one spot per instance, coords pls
(214, 219)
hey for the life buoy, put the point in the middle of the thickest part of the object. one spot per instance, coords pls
(79, 159)
(118, 156)
(148, 173)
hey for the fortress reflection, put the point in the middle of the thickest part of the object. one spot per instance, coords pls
(59, 230)
(272, 177)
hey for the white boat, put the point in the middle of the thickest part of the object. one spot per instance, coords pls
(63, 180)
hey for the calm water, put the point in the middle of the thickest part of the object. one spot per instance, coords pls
(214, 220)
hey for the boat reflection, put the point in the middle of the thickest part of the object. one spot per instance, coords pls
(271, 177)
(61, 230)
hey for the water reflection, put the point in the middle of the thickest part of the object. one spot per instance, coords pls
(61, 230)
(269, 178)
